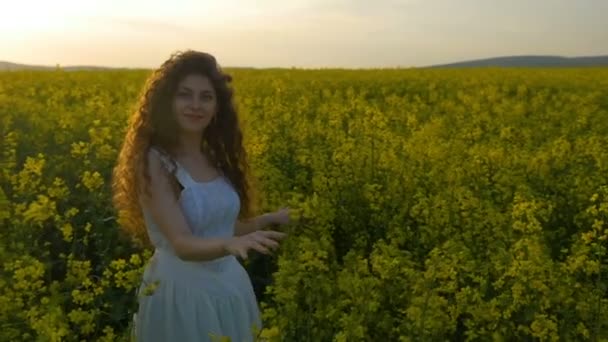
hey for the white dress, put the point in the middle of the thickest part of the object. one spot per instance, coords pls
(197, 300)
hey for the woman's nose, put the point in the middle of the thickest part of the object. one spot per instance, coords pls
(196, 103)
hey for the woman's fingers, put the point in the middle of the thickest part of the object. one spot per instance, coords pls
(261, 241)
(273, 234)
(267, 241)
(270, 244)
(243, 253)
(259, 247)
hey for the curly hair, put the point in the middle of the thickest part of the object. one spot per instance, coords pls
(150, 125)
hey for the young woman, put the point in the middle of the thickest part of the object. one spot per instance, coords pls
(181, 184)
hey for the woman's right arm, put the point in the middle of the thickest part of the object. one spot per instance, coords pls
(166, 212)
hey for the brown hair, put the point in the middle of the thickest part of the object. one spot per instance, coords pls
(150, 125)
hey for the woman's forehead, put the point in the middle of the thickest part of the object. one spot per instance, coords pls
(195, 81)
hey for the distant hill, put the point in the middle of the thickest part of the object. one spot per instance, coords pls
(8, 66)
(506, 61)
(531, 61)
(14, 66)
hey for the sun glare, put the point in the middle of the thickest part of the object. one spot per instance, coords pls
(19, 19)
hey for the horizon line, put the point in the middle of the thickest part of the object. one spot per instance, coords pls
(397, 66)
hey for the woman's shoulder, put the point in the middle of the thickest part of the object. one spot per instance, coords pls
(159, 156)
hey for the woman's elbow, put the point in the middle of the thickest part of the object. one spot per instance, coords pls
(180, 249)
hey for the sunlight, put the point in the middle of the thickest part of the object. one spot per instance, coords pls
(312, 33)
(23, 18)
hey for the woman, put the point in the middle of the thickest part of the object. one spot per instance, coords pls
(181, 184)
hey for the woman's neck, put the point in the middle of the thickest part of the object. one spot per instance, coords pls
(189, 145)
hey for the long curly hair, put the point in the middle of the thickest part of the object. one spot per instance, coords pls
(153, 125)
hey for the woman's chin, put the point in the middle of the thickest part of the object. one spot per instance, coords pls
(193, 129)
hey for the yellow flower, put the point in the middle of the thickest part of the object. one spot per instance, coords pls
(135, 259)
(58, 190)
(71, 213)
(40, 210)
(79, 149)
(92, 181)
(67, 231)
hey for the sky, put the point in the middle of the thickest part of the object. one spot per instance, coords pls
(298, 33)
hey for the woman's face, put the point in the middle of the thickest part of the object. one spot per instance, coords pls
(195, 103)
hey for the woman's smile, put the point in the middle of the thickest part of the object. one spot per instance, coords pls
(195, 117)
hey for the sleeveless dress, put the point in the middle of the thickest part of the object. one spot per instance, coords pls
(196, 300)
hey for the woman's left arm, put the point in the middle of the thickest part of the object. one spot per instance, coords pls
(260, 222)
(252, 225)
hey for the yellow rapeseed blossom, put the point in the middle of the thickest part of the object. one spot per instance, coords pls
(435, 204)
(40, 210)
(135, 259)
(92, 180)
(67, 231)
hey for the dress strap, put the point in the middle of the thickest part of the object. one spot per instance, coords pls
(183, 176)
(172, 165)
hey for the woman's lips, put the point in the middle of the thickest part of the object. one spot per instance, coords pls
(192, 116)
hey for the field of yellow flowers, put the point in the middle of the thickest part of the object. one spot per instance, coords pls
(460, 205)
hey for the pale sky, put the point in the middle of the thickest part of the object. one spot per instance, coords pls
(298, 33)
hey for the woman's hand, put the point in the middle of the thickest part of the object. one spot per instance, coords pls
(281, 216)
(261, 241)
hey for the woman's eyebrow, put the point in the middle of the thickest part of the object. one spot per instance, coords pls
(190, 90)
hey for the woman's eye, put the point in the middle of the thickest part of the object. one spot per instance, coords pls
(183, 94)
